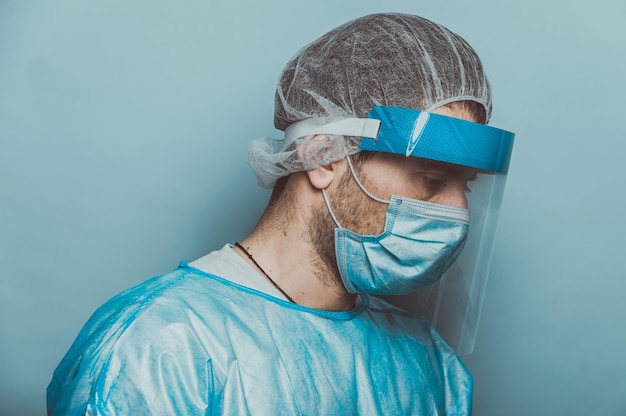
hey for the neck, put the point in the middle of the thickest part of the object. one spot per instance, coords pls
(287, 254)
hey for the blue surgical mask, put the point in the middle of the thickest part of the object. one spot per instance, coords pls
(420, 242)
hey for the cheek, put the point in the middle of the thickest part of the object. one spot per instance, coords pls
(454, 196)
(367, 217)
(356, 211)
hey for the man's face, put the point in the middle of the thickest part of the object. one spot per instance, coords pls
(387, 174)
(383, 175)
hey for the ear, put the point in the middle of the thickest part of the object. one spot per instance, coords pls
(316, 147)
(322, 177)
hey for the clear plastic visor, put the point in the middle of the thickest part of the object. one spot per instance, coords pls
(453, 305)
(465, 165)
(443, 160)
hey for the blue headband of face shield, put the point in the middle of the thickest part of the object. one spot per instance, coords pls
(418, 133)
(437, 137)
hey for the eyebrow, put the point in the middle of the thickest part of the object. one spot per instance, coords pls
(458, 171)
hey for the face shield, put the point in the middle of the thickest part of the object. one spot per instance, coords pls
(478, 154)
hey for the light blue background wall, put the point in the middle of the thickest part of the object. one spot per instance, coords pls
(123, 127)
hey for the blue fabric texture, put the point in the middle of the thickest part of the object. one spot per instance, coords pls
(442, 138)
(190, 343)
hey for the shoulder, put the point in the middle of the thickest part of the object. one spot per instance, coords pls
(418, 331)
(111, 320)
(410, 324)
(398, 317)
(435, 355)
(134, 346)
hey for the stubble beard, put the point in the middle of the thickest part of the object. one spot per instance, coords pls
(352, 209)
(321, 231)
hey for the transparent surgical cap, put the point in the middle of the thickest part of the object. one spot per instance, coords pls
(388, 59)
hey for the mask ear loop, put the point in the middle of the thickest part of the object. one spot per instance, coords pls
(326, 200)
(330, 210)
(358, 182)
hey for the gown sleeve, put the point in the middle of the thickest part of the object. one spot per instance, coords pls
(135, 364)
(163, 373)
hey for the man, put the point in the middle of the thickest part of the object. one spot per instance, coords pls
(367, 199)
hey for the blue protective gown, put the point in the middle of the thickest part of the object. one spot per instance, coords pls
(190, 343)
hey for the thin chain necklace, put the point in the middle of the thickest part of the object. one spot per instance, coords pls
(264, 272)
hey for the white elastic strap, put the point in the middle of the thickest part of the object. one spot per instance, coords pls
(358, 182)
(332, 214)
(358, 127)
